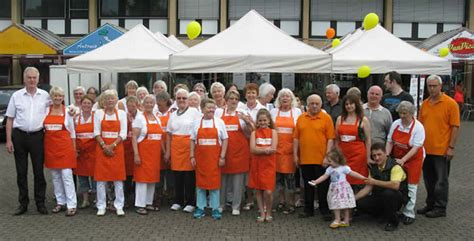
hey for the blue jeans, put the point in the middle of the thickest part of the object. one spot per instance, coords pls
(86, 183)
(213, 198)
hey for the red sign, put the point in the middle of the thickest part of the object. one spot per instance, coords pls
(462, 47)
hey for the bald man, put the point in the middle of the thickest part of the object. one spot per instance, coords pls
(379, 116)
(313, 137)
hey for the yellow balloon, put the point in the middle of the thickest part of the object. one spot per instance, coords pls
(363, 72)
(336, 42)
(443, 52)
(193, 30)
(370, 21)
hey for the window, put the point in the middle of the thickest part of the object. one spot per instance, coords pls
(343, 15)
(285, 14)
(204, 11)
(79, 8)
(5, 10)
(133, 8)
(44, 9)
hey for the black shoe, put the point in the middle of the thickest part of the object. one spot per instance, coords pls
(305, 215)
(20, 210)
(436, 213)
(424, 210)
(327, 217)
(42, 210)
(407, 220)
(390, 226)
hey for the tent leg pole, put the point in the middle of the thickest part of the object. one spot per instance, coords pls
(68, 89)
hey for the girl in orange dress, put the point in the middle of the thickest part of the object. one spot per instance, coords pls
(263, 145)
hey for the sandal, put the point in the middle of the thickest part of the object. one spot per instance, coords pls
(58, 208)
(334, 225)
(248, 206)
(268, 219)
(152, 208)
(289, 210)
(141, 211)
(260, 219)
(71, 212)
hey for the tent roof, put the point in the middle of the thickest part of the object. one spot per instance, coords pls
(177, 43)
(436, 39)
(384, 52)
(252, 44)
(137, 50)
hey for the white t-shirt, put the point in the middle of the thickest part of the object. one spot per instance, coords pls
(83, 121)
(295, 111)
(252, 112)
(99, 115)
(140, 123)
(220, 112)
(417, 135)
(182, 124)
(219, 124)
(339, 173)
(124, 102)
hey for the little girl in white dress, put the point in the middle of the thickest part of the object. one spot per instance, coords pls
(340, 194)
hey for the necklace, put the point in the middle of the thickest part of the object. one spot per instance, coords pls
(178, 113)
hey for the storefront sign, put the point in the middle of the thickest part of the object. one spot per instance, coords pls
(94, 40)
(462, 47)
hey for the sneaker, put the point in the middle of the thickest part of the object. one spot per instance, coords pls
(120, 212)
(101, 212)
(221, 209)
(188, 209)
(175, 207)
(216, 215)
(199, 213)
(248, 206)
(235, 212)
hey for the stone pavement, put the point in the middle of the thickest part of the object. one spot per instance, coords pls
(167, 225)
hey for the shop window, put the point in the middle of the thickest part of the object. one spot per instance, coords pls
(79, 8)
(133, 8)
(44, 9)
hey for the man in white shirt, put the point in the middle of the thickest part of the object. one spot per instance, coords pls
(26, 111)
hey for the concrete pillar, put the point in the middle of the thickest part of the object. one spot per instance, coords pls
(388, 15)
(93, 15)
(16, 11)
(16, 67)
(223, 15)
(305, 21)
(172, 17)
(468, 68)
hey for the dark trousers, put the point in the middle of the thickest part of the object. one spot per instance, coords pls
(129, 190)
(32, 144)
(435, 175)
(185, 188)
(385, 203)
(312, 172)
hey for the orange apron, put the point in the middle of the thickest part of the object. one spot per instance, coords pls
(284, 154)
(164, 123)
(110, 168)
(207, 153)
(180, 148)
(150, 155)
(238, 155)
(354, 150)
(85, 143)
(58, 147)
(401, 147)
(263, 167)
(128, 149)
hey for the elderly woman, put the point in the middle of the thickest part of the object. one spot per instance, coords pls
(217, 93)
(78, 93)
(60, 152)
(284, 115)
(147, 147)
(110, 129)
(207, 155)
(238, 126)
(178, 130)
(200, 88)
(85, 145)
(92, 92)
(142, 91)
(266, 92)
(353, 137)
(159, 86)
(130, 90)
(405, 144)
(194, 100)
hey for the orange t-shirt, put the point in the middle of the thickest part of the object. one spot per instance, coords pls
(438, 119)
(313, 133)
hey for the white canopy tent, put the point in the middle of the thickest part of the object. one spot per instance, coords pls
(177, 43)
(384, 52)
(138, 50)
(252, 44)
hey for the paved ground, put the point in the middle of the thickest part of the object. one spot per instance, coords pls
(167, 225)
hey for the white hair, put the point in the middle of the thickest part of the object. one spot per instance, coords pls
(287, 91)
(334, 88)
(265, 88)
(131, 83)
(194, 94)
(150, 96)
(182, 91)
(406, 106)
(162, 84)
(142, 89)
(435, 77)
(217, 85)
(28, 69)
(79, 88)
(110, 92)
(56, 90)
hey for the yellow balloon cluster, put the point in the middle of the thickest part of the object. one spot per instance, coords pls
(193, 30)
(363, 71)
(443, 52)
(370, 21)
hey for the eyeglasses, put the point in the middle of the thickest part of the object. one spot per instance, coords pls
(181, 98)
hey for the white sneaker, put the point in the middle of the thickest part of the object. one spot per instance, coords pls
(235, 212)
(120, 212)
(221, 209)
(101, 212)
(188, 209)
(175, 207)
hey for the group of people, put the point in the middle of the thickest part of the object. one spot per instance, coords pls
(215, 152)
